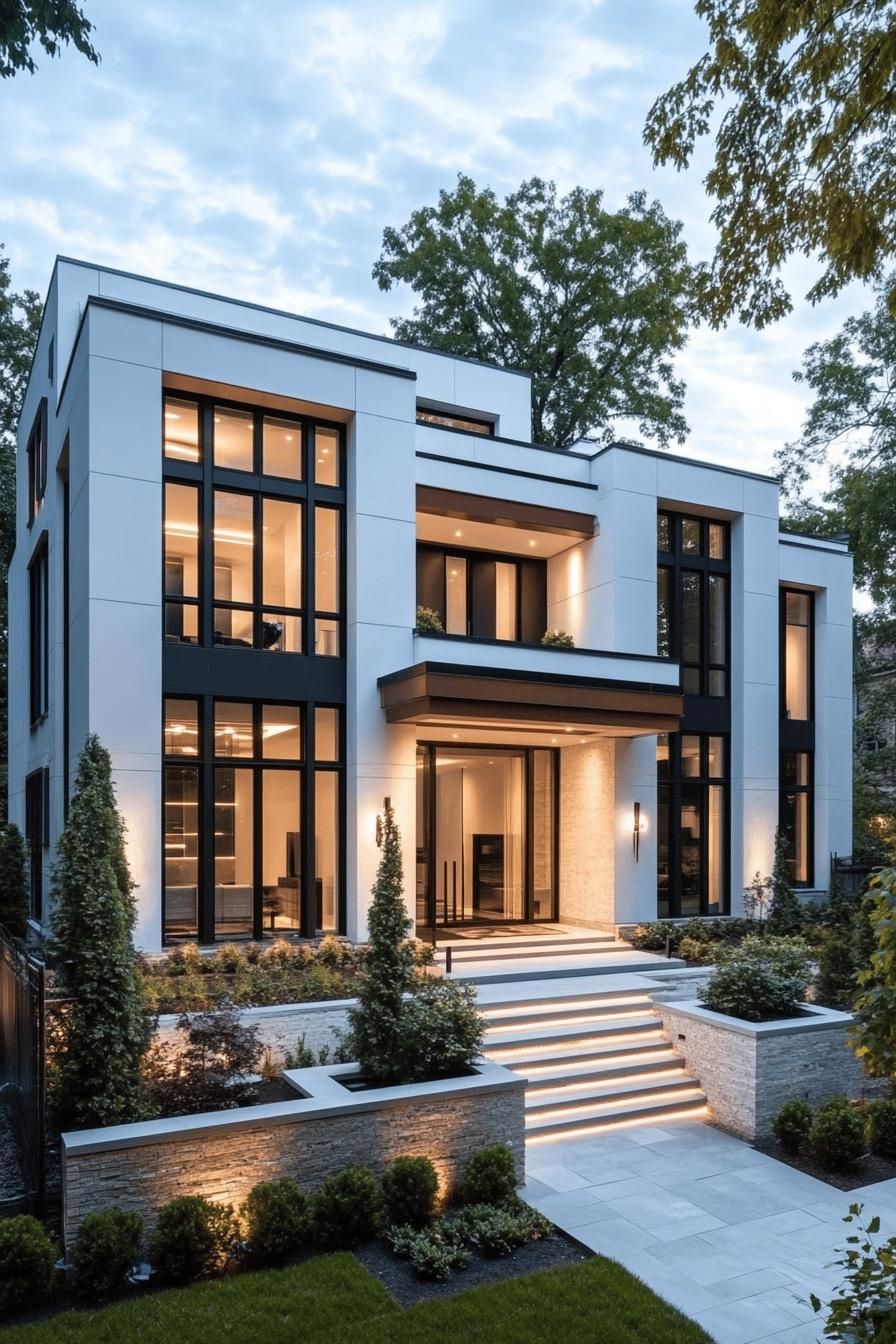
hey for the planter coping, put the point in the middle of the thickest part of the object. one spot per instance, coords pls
(813, 1018)
(320, 1096)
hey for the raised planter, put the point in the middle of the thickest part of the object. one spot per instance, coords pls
(327, 1128)
(749, 1069)
(279, 1027)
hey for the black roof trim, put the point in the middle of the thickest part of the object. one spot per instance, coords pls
(516, 443)
(686, 461)
(519, 674)
(283, 312)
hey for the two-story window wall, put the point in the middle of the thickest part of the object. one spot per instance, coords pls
(693, 804)
(253, 745)
(483, 594)
(797, 733)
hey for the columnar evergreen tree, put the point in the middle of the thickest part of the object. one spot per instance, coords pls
(784, 914)
(13, 884)
(106, 1032)
(376, 1023)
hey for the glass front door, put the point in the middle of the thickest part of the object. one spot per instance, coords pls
(486, 849)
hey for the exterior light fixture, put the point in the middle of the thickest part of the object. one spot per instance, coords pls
(638, 828)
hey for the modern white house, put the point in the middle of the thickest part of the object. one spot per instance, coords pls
(228, 517)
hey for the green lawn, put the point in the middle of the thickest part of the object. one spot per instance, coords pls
(333, 1300)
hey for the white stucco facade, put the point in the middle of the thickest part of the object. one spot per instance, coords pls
(119, 341)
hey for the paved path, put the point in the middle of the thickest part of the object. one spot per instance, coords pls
(731, 1237)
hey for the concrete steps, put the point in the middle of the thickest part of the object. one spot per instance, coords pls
(591, 1060)
(498, 959)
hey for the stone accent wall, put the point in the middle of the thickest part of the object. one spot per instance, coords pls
(142, 1167)
(587, 835)
(748, 1070)
(279, 1028)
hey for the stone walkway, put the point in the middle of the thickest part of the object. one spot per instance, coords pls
(731, 1237)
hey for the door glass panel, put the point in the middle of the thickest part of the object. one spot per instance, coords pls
(326, 849)
(233, 434)
(423, 857)
(543, 814)
(715, 834)
(663, 855)
(181, 784)
(691, 835)
(281, 850)
(455, 595)
(480, 835)
(234, 881)
(505, 600)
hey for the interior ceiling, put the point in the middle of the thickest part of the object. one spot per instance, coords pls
(487, 735)
(459, 532)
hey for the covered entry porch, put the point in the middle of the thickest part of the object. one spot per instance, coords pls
(520, 787)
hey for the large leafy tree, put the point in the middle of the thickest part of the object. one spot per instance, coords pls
(849, 440)
(593, 303)
(51, 23)
(800, 96)
(19, 324)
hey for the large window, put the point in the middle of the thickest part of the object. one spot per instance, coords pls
(797, 734)
(482, 594)
(796, 818)
(253, 529)
(39, 633)
(36, 453)
(253, 818)
(693, 568)
(797, 620)
(692, 824)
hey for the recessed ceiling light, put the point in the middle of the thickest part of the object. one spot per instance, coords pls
(532, 542)
(553, 739)
(289, 438)
(458, 533)
(455, 736)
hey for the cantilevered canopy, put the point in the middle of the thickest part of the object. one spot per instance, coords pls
(443, 694)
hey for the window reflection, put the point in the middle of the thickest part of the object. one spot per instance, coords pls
(233, 729)
(181, 733)
(181, 429)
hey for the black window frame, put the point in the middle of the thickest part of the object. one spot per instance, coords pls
(677, 563)
(307, 491)
(36, 452)
(784, 592)
(669, 793)
(531, 608)
(463, 424)
(37, 836)
(307, 767)
(788, 789)
(39, 632)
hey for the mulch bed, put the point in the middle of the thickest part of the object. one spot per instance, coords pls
(401, 1282)
(867, 1171)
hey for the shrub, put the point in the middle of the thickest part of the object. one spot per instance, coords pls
(836, 979)
(229, 958)
(207, 1073)
(429, 622)
(499, 1230)
(345, 1210)
(302, 1057)
(652, 937)
(793, 1125)
(434, 1252)
(13, 883)
(105, 1252)
(276, 1218)
(106, 1032)
(784, 913)
(193, 1239)
(490, 1176)
(880, 1128)
(440, 1031)
(410, 1188)
(558, 639)
(752, 991)
(700, 950)
(27, 1263)
(785, 954)
(838, 1134)
(874, 1035)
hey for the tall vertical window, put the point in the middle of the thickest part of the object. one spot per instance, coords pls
(39, 633)
(254, 525)
(796, 817)
(797, 612)
(36, 453)
(253, 824)
(693, 569)
(692, 825)
(37, 835)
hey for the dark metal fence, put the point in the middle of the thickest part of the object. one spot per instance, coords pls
(852, 871)
(23, 1058)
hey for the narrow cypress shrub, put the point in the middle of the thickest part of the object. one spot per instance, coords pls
(106, 1032)
(13, 882)
(784, 913)
(375, 1025)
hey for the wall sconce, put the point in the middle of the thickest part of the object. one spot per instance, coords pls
(387, 803)
(638, 827)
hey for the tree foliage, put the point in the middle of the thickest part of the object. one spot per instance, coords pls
(106, 1032)
(51, 23)
(19, 324)
(800, 98)
(874, 1006)
(13, 882)
(593, 303)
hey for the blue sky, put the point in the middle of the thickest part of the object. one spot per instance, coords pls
(264, 158)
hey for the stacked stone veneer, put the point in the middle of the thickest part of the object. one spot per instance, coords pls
(140, 1167)
(748, 1070)
(279, 1028)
